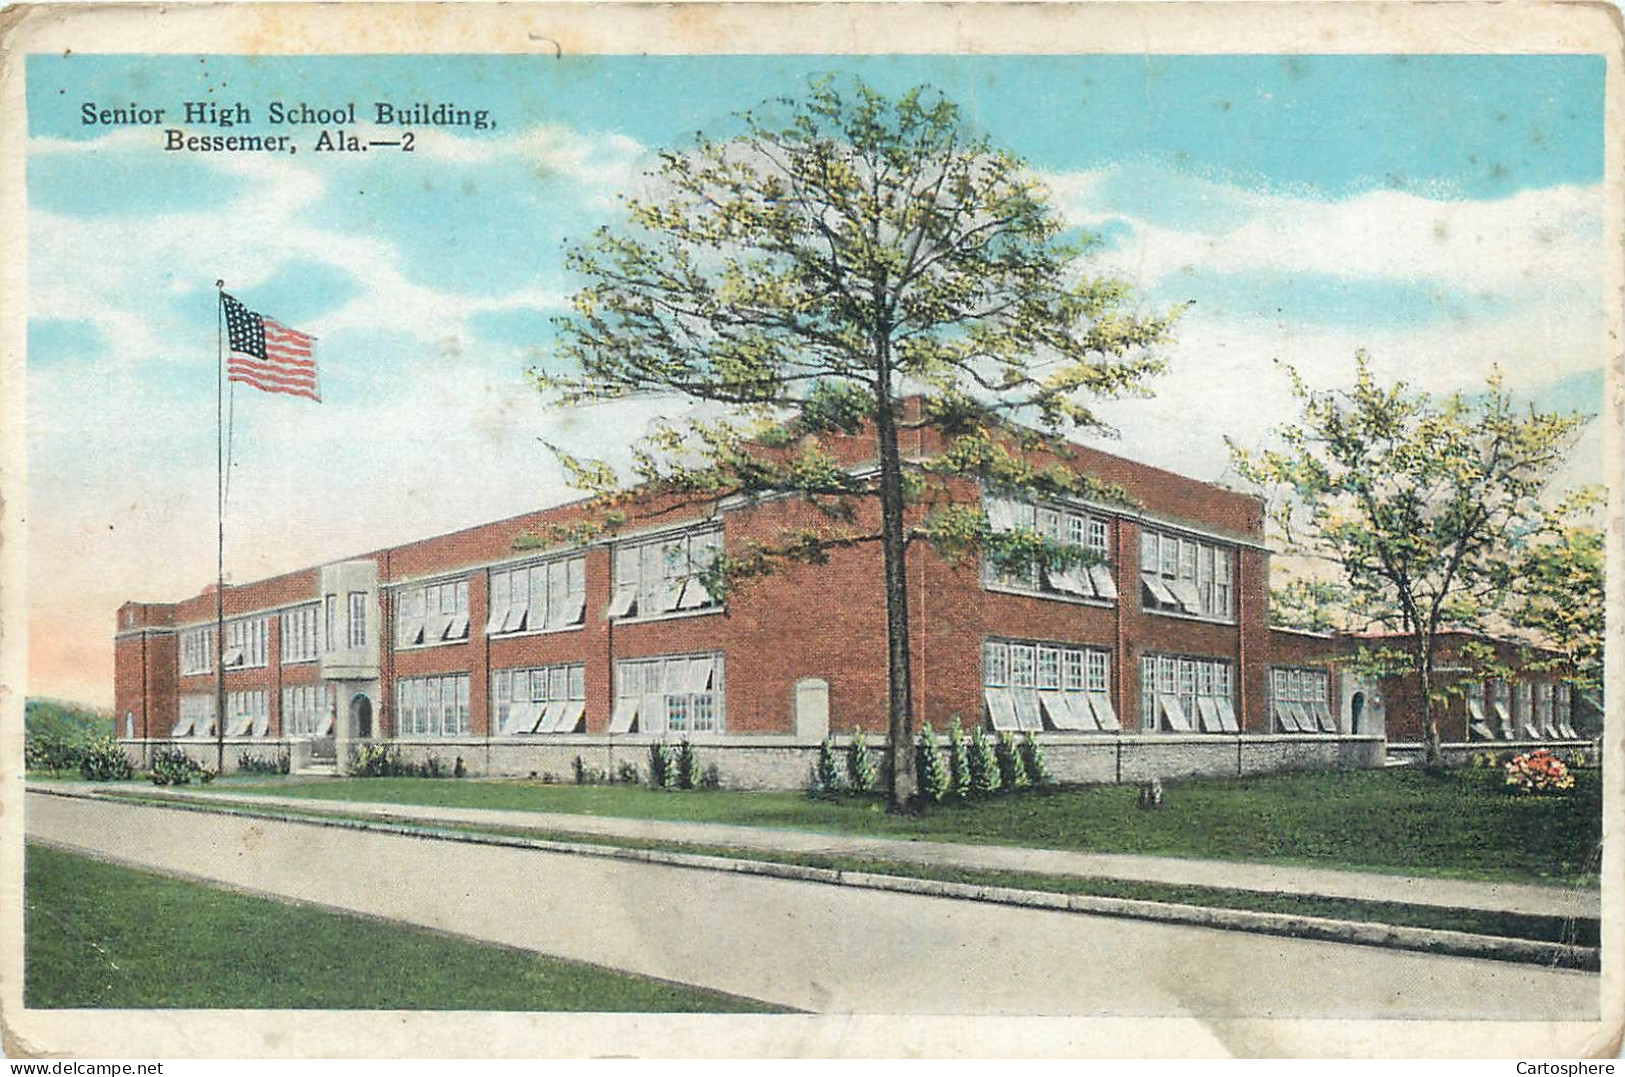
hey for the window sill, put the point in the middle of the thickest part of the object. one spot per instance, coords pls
(1052, 596)
(430, 646)
(536, 632)
(674, 615)
(1227, 622)
(298, 661)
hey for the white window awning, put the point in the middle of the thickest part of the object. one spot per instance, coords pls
(262, 723)
(1227, 715)
(566, 613)
(1100, 576)
(1208, 711)
(1323, 715)
(625, 601)
(1184, 592)
(1027, 716)
(1158, 590)
(234, 657)
(626, 712)
(1104, 714)
(457, 628)
(699, 675)
(1284, 716)
(239, 725)
(513, 618)
(1481, 730)
(694, 595)
(1001, 708)
(522, 717)
(183, 726)
(1174, 713)
(566, 715)
(1305, 723)
(1062, 712)
(1567, 730)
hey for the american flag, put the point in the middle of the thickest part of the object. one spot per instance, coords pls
(267, 354)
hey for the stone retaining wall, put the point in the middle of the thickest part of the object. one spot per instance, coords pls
(787, 763)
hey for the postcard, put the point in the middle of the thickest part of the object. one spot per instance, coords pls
(811, 530)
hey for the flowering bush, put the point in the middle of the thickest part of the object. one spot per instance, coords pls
(1538, 771)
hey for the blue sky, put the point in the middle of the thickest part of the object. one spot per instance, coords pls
(1443, 212)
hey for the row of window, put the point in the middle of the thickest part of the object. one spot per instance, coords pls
(1062, 526)
(432, 706)
(356, 627)
(537, 598)
(674, 694)
(196, 717)
(431, 613)
(1300, 700)
(1537, 711)
(539, 699)
(245, 643)
(197, 651)
(1183, 575)
(1026, 684)
(299, 634)
(665, 575)
(1180, 694)
(248, 713)
(308, 710)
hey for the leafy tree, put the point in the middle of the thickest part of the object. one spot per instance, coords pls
(800, 280)
(1427, 505)
(1309, 605)
(1557, 591)
(860, 764)
(933, 777)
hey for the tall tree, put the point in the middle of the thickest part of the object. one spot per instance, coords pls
(1556, 591)
(803, 277)
(1427, 505)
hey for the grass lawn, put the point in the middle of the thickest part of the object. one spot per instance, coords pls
(104, 936)
(1462, 824)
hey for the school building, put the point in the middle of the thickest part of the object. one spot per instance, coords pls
(518, 659)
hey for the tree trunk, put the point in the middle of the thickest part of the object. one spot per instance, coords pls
(900, 709)
(1431, 756)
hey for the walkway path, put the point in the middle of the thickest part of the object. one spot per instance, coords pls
(832, 949)
(1233, 875)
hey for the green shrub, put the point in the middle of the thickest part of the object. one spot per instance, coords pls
(860, 763)
(250, 763)
(688, 765)
(1012, 769)
(662, 771)
(982, 766)
(432, 768)
(933, 779)
(56, 735)
(102, 760)
(628, 773)
(171, 766)
(459, 770)
(712, 778)
(826, 774)
(374, 761)
(958, 761)
(1032, 754)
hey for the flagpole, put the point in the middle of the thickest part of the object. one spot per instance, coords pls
(220, 530)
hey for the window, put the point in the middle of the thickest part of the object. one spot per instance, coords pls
(1186, 694)
(432, 706)
(538, 597)
(1061, 525)
(1524, 711)
(1477, 716)
(673, 693)
(544, 699)
(196, 717)
(1565, 710)
(330, 622)
(1033, 686)
(1300, 701)
(1545, 720)
(197, 651)
(248, 713)
(308, 709)
(1500, 704)
(358, 619)
(427, 614)
(664, 575)
(299, 634)
(1184, 575)
(245, 643)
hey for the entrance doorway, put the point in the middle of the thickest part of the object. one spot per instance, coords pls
(361, 716)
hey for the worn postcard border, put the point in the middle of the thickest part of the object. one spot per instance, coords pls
(734, 28)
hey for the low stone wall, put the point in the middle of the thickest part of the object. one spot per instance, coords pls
(770, 762)
(1457, 753)
(203, 752)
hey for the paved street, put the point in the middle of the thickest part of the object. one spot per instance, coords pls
(807, 945)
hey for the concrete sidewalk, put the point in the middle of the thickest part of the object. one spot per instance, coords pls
(1523, 898)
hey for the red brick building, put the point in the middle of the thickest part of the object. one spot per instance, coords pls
(1159, 660)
